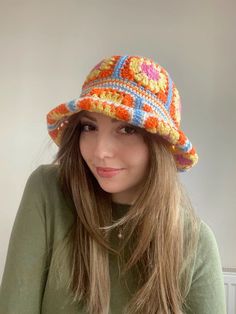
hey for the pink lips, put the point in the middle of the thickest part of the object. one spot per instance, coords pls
(108, 172)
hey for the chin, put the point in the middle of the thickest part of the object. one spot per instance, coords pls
(109, 189)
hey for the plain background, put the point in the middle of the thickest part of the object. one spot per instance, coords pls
(48, 47)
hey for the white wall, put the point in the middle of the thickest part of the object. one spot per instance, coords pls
(47, 48)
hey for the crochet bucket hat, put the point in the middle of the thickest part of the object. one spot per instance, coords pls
(134, 89)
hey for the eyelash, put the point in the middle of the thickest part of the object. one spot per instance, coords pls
(133, 130)
(83, 125)
(93, 128)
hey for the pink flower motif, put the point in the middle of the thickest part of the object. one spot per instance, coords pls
(150, 71)
(182, 160)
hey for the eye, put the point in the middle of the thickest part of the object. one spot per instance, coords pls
(127, 129)
(87, 127)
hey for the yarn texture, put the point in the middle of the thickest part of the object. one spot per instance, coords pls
(134, 89)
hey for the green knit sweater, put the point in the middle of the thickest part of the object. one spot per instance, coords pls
(44, 217)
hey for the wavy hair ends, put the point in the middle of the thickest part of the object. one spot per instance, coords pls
(162, 224)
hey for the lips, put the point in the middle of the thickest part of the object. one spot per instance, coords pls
(108, 172)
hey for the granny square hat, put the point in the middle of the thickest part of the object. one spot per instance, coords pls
(134, 89)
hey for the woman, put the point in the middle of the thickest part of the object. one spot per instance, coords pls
(107, 228)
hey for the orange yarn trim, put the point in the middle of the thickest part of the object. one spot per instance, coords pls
(85, 104)
(126, 72)
(62, 109)
(151, 123)
(105, 73)
(147, 108)
(192, 151)
(95, 91)
(162, 96)
(128, 100)
(50, 120)
(182, 138)
(173, 113)
(122, 113)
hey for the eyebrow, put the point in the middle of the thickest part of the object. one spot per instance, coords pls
(95, 120)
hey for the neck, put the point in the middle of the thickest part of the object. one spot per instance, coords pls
(122, 200)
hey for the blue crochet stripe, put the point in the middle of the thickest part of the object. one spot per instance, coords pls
(126, 89)
(101, 83)
(138, 113)
(138, 117)
(138, 103)
(52, 127)
(119, 65)
(187, 146)
(168, 102)
(71, 105)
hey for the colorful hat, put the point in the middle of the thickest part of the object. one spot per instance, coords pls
(136, 90)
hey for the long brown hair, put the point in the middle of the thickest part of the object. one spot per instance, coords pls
(162, 223)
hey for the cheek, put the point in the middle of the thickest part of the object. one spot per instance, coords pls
(144, 159)
(138, 156)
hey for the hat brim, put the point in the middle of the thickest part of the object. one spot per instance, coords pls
(182, 149)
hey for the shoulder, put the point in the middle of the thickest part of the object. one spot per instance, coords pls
(44, 192)
(43, 178)
(205, 237)
(43, 185)
(207, 243)
(46, 173)
(206, 293)
(208, 261)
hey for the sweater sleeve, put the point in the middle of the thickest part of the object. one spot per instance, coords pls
(25, 272)
(207, 295)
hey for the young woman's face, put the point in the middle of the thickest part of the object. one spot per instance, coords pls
(116, 154)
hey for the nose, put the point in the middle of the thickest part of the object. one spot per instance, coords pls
(104, 147)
